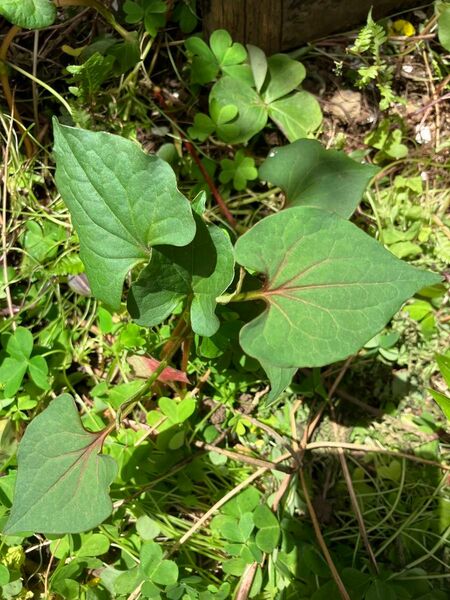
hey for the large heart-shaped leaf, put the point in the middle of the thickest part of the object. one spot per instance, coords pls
(63, 480)
(122, 202)
(329, 287)
(297, 115)
(31, 14)
(202, 270)
(309, 175)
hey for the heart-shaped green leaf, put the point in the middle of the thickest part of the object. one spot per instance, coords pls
(312, 176)
(122, 203)
(202, 270)
(63, 480)
(329, 287)
(31, 14)
(297, 115)
(285, 73)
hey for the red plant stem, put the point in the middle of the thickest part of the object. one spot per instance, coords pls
(215, 192)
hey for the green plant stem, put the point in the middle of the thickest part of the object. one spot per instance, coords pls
(43, 84)
(239, 297)
(106, 14)
(127, 407)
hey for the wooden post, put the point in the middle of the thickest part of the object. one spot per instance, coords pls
(276, 25)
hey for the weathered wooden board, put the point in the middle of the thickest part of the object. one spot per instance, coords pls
(276, 25)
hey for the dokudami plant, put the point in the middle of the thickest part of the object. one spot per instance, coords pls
(315, 287)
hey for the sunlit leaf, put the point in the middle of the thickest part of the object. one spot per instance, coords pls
(312, 176)
(329, 287)
(31, 14)
(63, 479)
(122, 203)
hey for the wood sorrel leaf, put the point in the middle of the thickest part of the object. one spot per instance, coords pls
(312, 176)
(63, 480)
(202, 270)
(252, 112)
(122, 203)
(285, 75)
(297, 115)
(31, 14)
(329, 287)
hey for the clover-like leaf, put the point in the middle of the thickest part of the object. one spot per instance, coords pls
(309, 175)
(269, 528)
(285, 74)
(63, 479)
(202, 270)
(297, 115)
(122, 203)
(224, 55)
(19, 348)
(239, 170)
(31, 14)
(154, 568)
(329, 287)
(252, 112)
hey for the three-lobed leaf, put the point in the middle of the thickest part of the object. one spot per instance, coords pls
(268, 529)
(328, 288)
(63, 479)
(122, 202)
(309, 175)
(31, 14)
(153, 567)
(297, 113)
(13, 367)
(201, 271)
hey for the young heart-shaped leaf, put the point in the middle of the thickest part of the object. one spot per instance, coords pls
(63, 480)
(202, 270)
(31, 14)
(309, 175)
(329, 287)
(122, 203)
